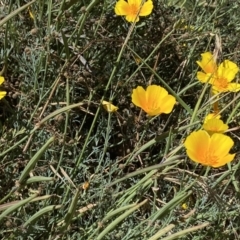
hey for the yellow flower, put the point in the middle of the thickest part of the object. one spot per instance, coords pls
(132, 9)
(184, 206)
(109, 107)
(208, 65)
(2, 93)
(137, 60)
(209, 150)
(154, 101)
(220, 77)
(31, 14)
(215, 125)
(211, 116)
(226, 72)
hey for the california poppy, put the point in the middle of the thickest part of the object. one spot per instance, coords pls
(154, 100)
(209, 150)
(132, 9)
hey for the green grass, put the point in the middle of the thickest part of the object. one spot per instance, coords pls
(56, 136)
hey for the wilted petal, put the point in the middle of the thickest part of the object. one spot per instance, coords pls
(109, 107)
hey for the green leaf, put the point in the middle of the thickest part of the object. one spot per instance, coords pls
(41, 212)
(34, 160)
(15, 207)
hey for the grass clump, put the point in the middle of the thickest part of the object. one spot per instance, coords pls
(72, 170)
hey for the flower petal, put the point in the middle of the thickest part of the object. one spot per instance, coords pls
(211, 116)
(135, 2)
(146, 8)
(155, 94)
(154, 112)
(1, 80)
(228, 158)
(139, 97)
(132, 18)
(122, 8)
(2, 94)
(233, 87)
(197, 145)
(215, 125)
(168, 103)
(207, 64)
(215, 90)
(220, 145)
(227, 70)
(205, 78)
(158, 100)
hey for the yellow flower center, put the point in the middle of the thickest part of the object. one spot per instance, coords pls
(209, 159)
(152, 105)
(134, 9)
(221, 83)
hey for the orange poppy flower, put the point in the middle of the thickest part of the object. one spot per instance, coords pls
(209, 67)
(154, 101)
(220, 77)
(132, 9)
(222, 80)
(211, 116)
(209, 150)
(215, 125)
